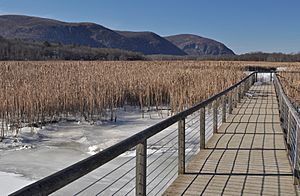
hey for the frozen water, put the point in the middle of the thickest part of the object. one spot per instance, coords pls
(39, 152)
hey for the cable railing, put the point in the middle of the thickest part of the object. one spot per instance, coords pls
(290, 123)
(147, 162)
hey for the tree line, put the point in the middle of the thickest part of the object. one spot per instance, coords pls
(253, 56)
(17, 49)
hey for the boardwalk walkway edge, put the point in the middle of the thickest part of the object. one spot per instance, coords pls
(255, 152)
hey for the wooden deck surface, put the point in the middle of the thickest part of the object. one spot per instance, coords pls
(246, 157)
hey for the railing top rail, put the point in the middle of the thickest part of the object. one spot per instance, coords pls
(81, 168)
(260, 69)
(287, 101)
(287, 71)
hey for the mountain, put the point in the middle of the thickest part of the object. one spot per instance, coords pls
(86, 34)
(93, 35)
(150, 43)
(198, 46)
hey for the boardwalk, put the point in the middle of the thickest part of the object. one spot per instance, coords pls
(246, 157)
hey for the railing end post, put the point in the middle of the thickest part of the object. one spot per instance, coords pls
(215, 116)
(141, 168)
(224, 108)
(181, 146)
(230, 103)
(202, 128)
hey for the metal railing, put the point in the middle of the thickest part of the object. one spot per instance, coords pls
(161, 151)
(290, 123)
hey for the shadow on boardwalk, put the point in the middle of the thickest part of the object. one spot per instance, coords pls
(246, 157)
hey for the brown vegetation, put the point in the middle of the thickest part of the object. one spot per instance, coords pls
(290, 79)
(37, 92)
(33, 93)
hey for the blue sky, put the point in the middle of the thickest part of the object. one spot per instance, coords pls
(244, 26)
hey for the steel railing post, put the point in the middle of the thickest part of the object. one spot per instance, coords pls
(202, 128)
(280, 104)
(243, 89)
(239, 94)
(288, 127)
(224, 108)
(215, 116)
(271, 76)
(141, 168)
(247, 86)
(230, 104)
(256, 78)
(296, 169)
(235, 97)
(181, 146)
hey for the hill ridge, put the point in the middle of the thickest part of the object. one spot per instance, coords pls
(196, 45)
(33, 28)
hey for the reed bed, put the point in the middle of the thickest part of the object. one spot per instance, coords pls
(290, 80)
(34, 93)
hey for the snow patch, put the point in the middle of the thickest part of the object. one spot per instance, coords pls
(11, 182)
(249, 94)
(259, 83)
(281, 69)
(94, 149)
(42, 151)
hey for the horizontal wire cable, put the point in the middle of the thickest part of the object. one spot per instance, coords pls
(191, 131)
(190, 154)
(115, 181)
(124, 185)
(161, 148)
(159, 175)
(196, 132)
(209, 124)
(187, 154)
(192, 142)
(164, 137)
(164, 178)
(130, 191)
(160, 157)
(188, 129)
(90, 185)
(189, 120)
(159, 166)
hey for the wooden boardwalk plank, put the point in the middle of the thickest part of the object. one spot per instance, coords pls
(246, 157)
